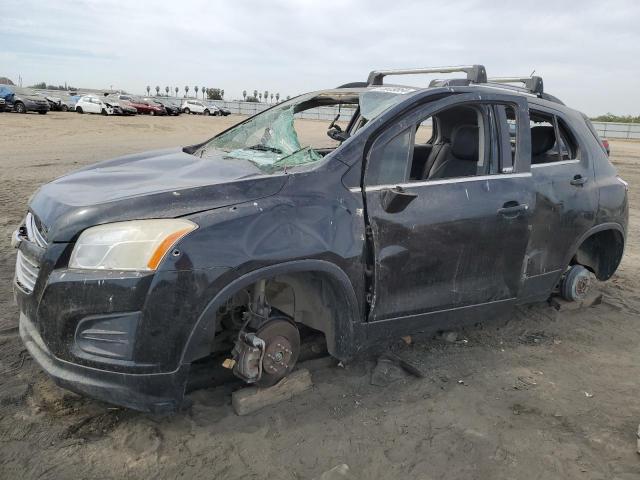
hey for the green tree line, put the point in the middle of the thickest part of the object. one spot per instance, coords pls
(610, 117)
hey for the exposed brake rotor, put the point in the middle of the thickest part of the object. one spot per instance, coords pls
(282, 347)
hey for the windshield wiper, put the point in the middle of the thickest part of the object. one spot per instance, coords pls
(265, 148)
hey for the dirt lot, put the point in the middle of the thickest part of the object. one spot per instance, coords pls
(538, 394)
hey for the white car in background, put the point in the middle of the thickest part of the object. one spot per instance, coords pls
(93, 104)
(196, 106)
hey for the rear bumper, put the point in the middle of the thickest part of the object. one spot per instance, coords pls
(152, 392)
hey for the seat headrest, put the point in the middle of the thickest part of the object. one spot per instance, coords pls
(464, 142)
(543, 138)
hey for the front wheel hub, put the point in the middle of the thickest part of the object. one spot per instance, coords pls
(282, 347)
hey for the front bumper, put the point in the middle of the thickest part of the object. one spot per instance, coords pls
(151, 392)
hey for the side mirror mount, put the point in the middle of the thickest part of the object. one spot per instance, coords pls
(337, 134)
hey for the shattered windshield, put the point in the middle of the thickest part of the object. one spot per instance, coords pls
(280, 137)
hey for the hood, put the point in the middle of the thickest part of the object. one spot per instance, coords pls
(158, 184)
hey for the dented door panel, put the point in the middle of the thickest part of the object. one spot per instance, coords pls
(452, 246)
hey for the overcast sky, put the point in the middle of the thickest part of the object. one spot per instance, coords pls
(588, 52)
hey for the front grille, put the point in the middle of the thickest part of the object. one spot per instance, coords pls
(27, 270)
(33, 232)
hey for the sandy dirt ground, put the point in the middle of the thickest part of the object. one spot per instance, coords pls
(536, 394)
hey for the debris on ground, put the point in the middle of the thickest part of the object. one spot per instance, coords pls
(252, 399)
(533, 338)
(386, 372)
(407, 339)
(524, 383)
(339, 472)
(638, 435)
(588, 395)
(406, 365)
(449, 337)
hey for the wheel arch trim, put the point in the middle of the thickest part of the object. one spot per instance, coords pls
(203, 332)
(601, 227)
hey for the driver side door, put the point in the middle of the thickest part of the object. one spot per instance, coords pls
(447, 245)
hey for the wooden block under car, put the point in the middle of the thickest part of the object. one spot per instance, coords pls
(252, 399)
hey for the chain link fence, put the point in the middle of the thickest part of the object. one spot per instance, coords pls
(630, 131)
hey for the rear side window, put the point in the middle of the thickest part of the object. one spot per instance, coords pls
(551, 139)
(543, 138)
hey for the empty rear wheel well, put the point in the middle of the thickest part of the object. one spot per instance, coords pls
(601, 253)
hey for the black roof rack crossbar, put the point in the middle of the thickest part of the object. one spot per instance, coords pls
(532, 84)
(475, 73)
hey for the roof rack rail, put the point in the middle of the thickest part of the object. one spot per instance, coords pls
(475, 73)
(533, 84)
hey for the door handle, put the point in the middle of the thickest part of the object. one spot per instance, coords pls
(512, 209)
(396, 199)
(578, 180)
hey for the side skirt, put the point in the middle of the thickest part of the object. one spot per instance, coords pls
(434, 321)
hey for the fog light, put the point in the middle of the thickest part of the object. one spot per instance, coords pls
(109, 336)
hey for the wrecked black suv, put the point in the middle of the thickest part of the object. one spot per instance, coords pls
(429, 208)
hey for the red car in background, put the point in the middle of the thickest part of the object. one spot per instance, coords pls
(143, 106)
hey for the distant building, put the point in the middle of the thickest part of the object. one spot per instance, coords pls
(6, 81)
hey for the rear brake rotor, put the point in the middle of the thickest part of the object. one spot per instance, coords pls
(282, 346)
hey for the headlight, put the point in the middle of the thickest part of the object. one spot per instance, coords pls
(134, 245)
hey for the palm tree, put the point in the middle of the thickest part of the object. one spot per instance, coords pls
(288, 97)
(157, 90)
(196, 88)
(255, 94)
(266, 96)
(244, 94)
(222, 94)
(204, 90)
(166, 90)
(260, 96)
(177, 91)
(148, 89)
(186, 90)
(272, 98)
(277, 97)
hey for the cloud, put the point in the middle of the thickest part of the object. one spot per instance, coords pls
(586, 52)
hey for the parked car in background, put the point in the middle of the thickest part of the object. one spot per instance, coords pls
(69, 103)
(196, 106)
(120, 107)
(218, 110)
(154, 102)
(55, 103)
(172, 106)
(23, 100)
(144, 107)
(93, 104)
(127, 106)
